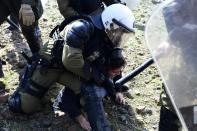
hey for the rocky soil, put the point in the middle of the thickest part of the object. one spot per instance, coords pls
(141, 112)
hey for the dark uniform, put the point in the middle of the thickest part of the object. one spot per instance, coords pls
(74, 7)
(77, 59)
(11, 7)
(72, 60)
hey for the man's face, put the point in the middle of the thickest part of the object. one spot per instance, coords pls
(114, 72)
(116, 34)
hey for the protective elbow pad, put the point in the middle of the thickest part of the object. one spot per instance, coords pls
(79, 33)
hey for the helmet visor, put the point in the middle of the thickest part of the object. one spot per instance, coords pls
(118, 35)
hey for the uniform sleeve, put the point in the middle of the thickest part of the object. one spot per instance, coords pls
(73, 60)
(77, 34)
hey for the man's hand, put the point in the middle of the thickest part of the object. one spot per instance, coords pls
(26, 14)
(83, 122)
(119, 98)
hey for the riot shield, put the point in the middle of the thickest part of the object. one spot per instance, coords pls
(171, 35)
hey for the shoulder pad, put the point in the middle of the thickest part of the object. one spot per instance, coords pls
(79, 33)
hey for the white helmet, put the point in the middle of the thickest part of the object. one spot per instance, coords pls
(117, 20)
(131, 3)
(119, 15)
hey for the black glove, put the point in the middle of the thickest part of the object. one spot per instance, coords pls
(118, 87)
(109, 86)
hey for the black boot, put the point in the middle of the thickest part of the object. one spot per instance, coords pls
(168, 120)
(1, 71)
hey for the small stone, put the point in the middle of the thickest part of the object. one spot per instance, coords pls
(130, 111)
(59, 113)
(157, 100)
(158, 88)
(122, 118)
(154, 126)
(44, 19)
(144, 110)
(141, 53)
(114, 107)
(147, 81)
(147, 111)
(146, 100)
(137, 92)
(140, 109)
(128, 94)
(139, 118)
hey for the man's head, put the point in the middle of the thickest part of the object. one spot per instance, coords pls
(116, 62)
(116, 20)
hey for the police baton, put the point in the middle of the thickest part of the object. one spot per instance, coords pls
(133, 73)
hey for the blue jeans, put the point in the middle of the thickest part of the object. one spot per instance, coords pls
(94, 95)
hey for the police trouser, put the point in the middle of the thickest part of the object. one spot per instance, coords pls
(28, 31)
(28, 99)
(1, 70)
(94, 95)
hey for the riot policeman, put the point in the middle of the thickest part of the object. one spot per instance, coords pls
(75, 58)
(176, 58)
(27, 12)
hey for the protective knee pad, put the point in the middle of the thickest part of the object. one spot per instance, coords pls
(14, 103)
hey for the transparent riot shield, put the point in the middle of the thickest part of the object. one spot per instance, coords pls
(171, 35)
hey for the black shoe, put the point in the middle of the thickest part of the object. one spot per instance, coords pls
(168, 120)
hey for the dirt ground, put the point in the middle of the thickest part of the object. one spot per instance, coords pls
(141, 112)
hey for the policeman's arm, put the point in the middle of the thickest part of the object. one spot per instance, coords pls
(72, 59)
(77, 35)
